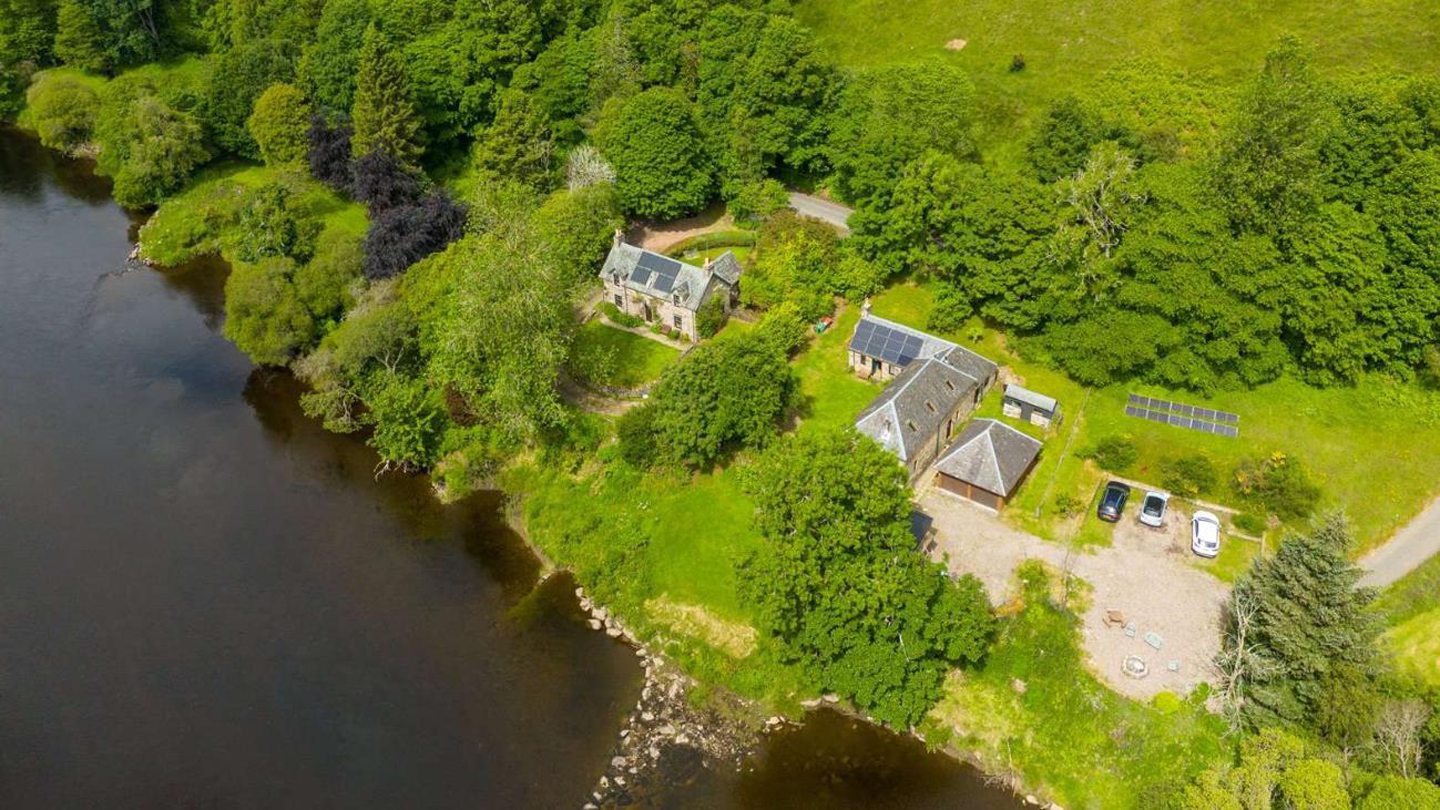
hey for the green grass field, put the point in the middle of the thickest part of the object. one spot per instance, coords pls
(831, 394)
(1373, 448)
(1068, 47)
(609, 356)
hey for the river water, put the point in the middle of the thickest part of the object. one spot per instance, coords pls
(206, 599)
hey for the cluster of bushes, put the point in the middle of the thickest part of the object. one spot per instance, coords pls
(1278, 483)
(802, 261)
(723, 396)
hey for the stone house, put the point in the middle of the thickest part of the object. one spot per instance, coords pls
(934, 386)
(659, 289)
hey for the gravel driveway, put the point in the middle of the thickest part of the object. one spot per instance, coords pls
(1144, 574)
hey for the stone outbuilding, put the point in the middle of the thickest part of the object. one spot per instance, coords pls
(659, 289)
(987, 462)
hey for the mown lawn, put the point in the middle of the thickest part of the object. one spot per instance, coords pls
(1374, 448)
(831, 395)
(609, 356)
(1068, 46)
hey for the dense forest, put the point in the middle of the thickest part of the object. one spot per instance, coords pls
(414, 196)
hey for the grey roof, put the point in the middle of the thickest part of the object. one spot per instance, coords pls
(726, 268)
(923, 395)
(991, 455)
(899, 344)
(1021, 394)
(650, 273)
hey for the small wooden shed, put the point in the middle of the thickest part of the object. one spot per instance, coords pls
(1022, 403)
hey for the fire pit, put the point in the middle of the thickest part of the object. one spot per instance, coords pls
(1135, 667)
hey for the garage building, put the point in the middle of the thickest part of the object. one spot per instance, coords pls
(987, 462)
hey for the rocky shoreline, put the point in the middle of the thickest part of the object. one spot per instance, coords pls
(666, 735)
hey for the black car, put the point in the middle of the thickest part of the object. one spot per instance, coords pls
(1112, 503)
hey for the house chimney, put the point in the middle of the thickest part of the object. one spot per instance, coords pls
(865, 307)
(619, 237)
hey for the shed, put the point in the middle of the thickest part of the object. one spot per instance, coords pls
(1022, 403)
(987, 462)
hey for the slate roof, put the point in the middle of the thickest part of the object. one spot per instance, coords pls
(924, 395)
(899, 344)
(1021, 394)
(990, 455)
(650, 273)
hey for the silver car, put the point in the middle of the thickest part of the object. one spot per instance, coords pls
(1152, 509)
(1205, 534)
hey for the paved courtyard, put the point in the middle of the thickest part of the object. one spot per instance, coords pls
(1144, 575)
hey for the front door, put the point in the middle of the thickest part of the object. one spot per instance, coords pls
(645, 308)
(875, 366)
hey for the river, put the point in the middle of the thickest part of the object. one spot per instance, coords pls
(206, 599)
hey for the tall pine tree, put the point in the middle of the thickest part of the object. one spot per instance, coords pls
(1307, 634)
(384, 115)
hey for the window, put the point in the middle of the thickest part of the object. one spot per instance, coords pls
(948, 384)
(911, 425)
(679, 322)
(930, 406)
(619, 300)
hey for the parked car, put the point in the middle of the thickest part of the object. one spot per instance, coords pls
(1205, 534)
(1112, 503)
(1152, 509)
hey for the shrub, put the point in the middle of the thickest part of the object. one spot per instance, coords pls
(402, 236)
(1188, 476)
(619, 318)
(711, 317)
(1017, 63)
(635, 433)
(1114, 453)
(329, 154)
(382, 183)
(263, 315)
(1279, 483)
(151, 152)
(62, 110)
(1250, 523)
(270, 226)
(755, 202)
(783, 329)
(1066, 505)
(279, 125)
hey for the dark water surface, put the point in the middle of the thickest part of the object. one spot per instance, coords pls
(207, 600)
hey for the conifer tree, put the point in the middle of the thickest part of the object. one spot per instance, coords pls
(78, 39)
(384, 115)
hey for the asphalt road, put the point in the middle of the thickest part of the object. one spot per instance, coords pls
(824, 210)
(1416, 542)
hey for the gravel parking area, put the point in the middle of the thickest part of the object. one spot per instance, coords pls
(1144, 575)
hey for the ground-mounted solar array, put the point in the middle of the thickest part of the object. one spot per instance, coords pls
(664, 270)
(1178, 414)
(891, 345)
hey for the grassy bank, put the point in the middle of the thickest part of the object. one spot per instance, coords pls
(196, 222)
